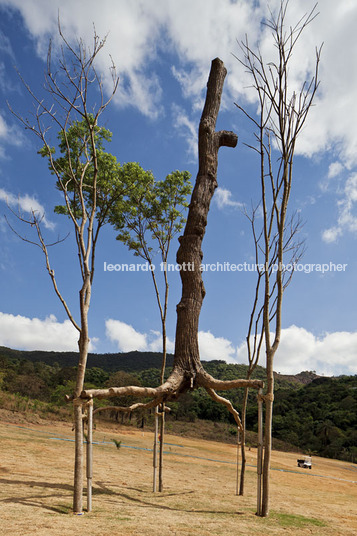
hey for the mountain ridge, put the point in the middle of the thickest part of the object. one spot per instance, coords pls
(130, 362)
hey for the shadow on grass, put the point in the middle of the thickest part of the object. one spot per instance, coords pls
(100, 488)
(37, 500)
(104, 490)
(36, 484)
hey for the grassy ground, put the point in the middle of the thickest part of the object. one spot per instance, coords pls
(199, 488)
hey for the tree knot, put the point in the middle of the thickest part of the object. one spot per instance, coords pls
(269, 397)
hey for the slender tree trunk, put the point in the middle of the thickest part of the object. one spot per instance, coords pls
(163, 314)
(243, 439)
(239, 447)
(161, 454)
(83, 344)
(89, 454)
(154, 450)
(162, 415)
(260, 452)
(78, 459)
(268, 398)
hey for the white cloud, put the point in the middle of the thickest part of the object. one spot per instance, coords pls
(5, 46)
(9, 134)
(3, 127)
(331, 354)
(202, 30)
(196, 32)
(133, 31)
(335, 169)
(347, 212)
(212, 347)
(155, 342)
(23, 333)
(26, 203)
(187, 129)
(333, 177)
(128, 339)
(6, 52)
(223, 199)
(331, 235)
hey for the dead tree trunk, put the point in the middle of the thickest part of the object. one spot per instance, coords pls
(188, 372)
(189, 255)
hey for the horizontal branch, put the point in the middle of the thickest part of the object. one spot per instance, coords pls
(120, 391)
(207, 381)
(133, 407)
(226, 138)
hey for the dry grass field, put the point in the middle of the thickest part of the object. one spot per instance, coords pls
(36, 463)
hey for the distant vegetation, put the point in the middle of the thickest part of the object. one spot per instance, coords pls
(315, 414)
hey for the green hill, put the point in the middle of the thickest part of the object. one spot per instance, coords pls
(314, 413)
(129, 361)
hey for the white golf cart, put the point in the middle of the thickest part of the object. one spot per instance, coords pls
(305, 463)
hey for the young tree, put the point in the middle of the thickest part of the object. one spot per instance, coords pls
(281, 117)
(86, 176)
(255, 333)
(148, 220)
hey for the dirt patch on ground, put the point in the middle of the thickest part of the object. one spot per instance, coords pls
(199, 488)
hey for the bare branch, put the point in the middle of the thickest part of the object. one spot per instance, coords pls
(133, 407)
(228, 405)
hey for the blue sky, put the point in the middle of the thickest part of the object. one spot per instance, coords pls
(162, 50)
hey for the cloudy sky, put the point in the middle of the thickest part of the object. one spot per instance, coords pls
(162, 50)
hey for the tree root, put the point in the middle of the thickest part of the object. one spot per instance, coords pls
(179, 382)
(228, 405)
(133, 407)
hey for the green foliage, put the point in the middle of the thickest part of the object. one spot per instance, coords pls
(60, 391)
(296, 521)
(149, 377)
(117, 443)
(97, 376)
(318, 417)
(121, 379)
(152, 212)
(84, 163)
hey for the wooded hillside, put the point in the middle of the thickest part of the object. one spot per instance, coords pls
(316, 414)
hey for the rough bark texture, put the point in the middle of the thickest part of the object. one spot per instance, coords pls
(189, 255)
(188, 372)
